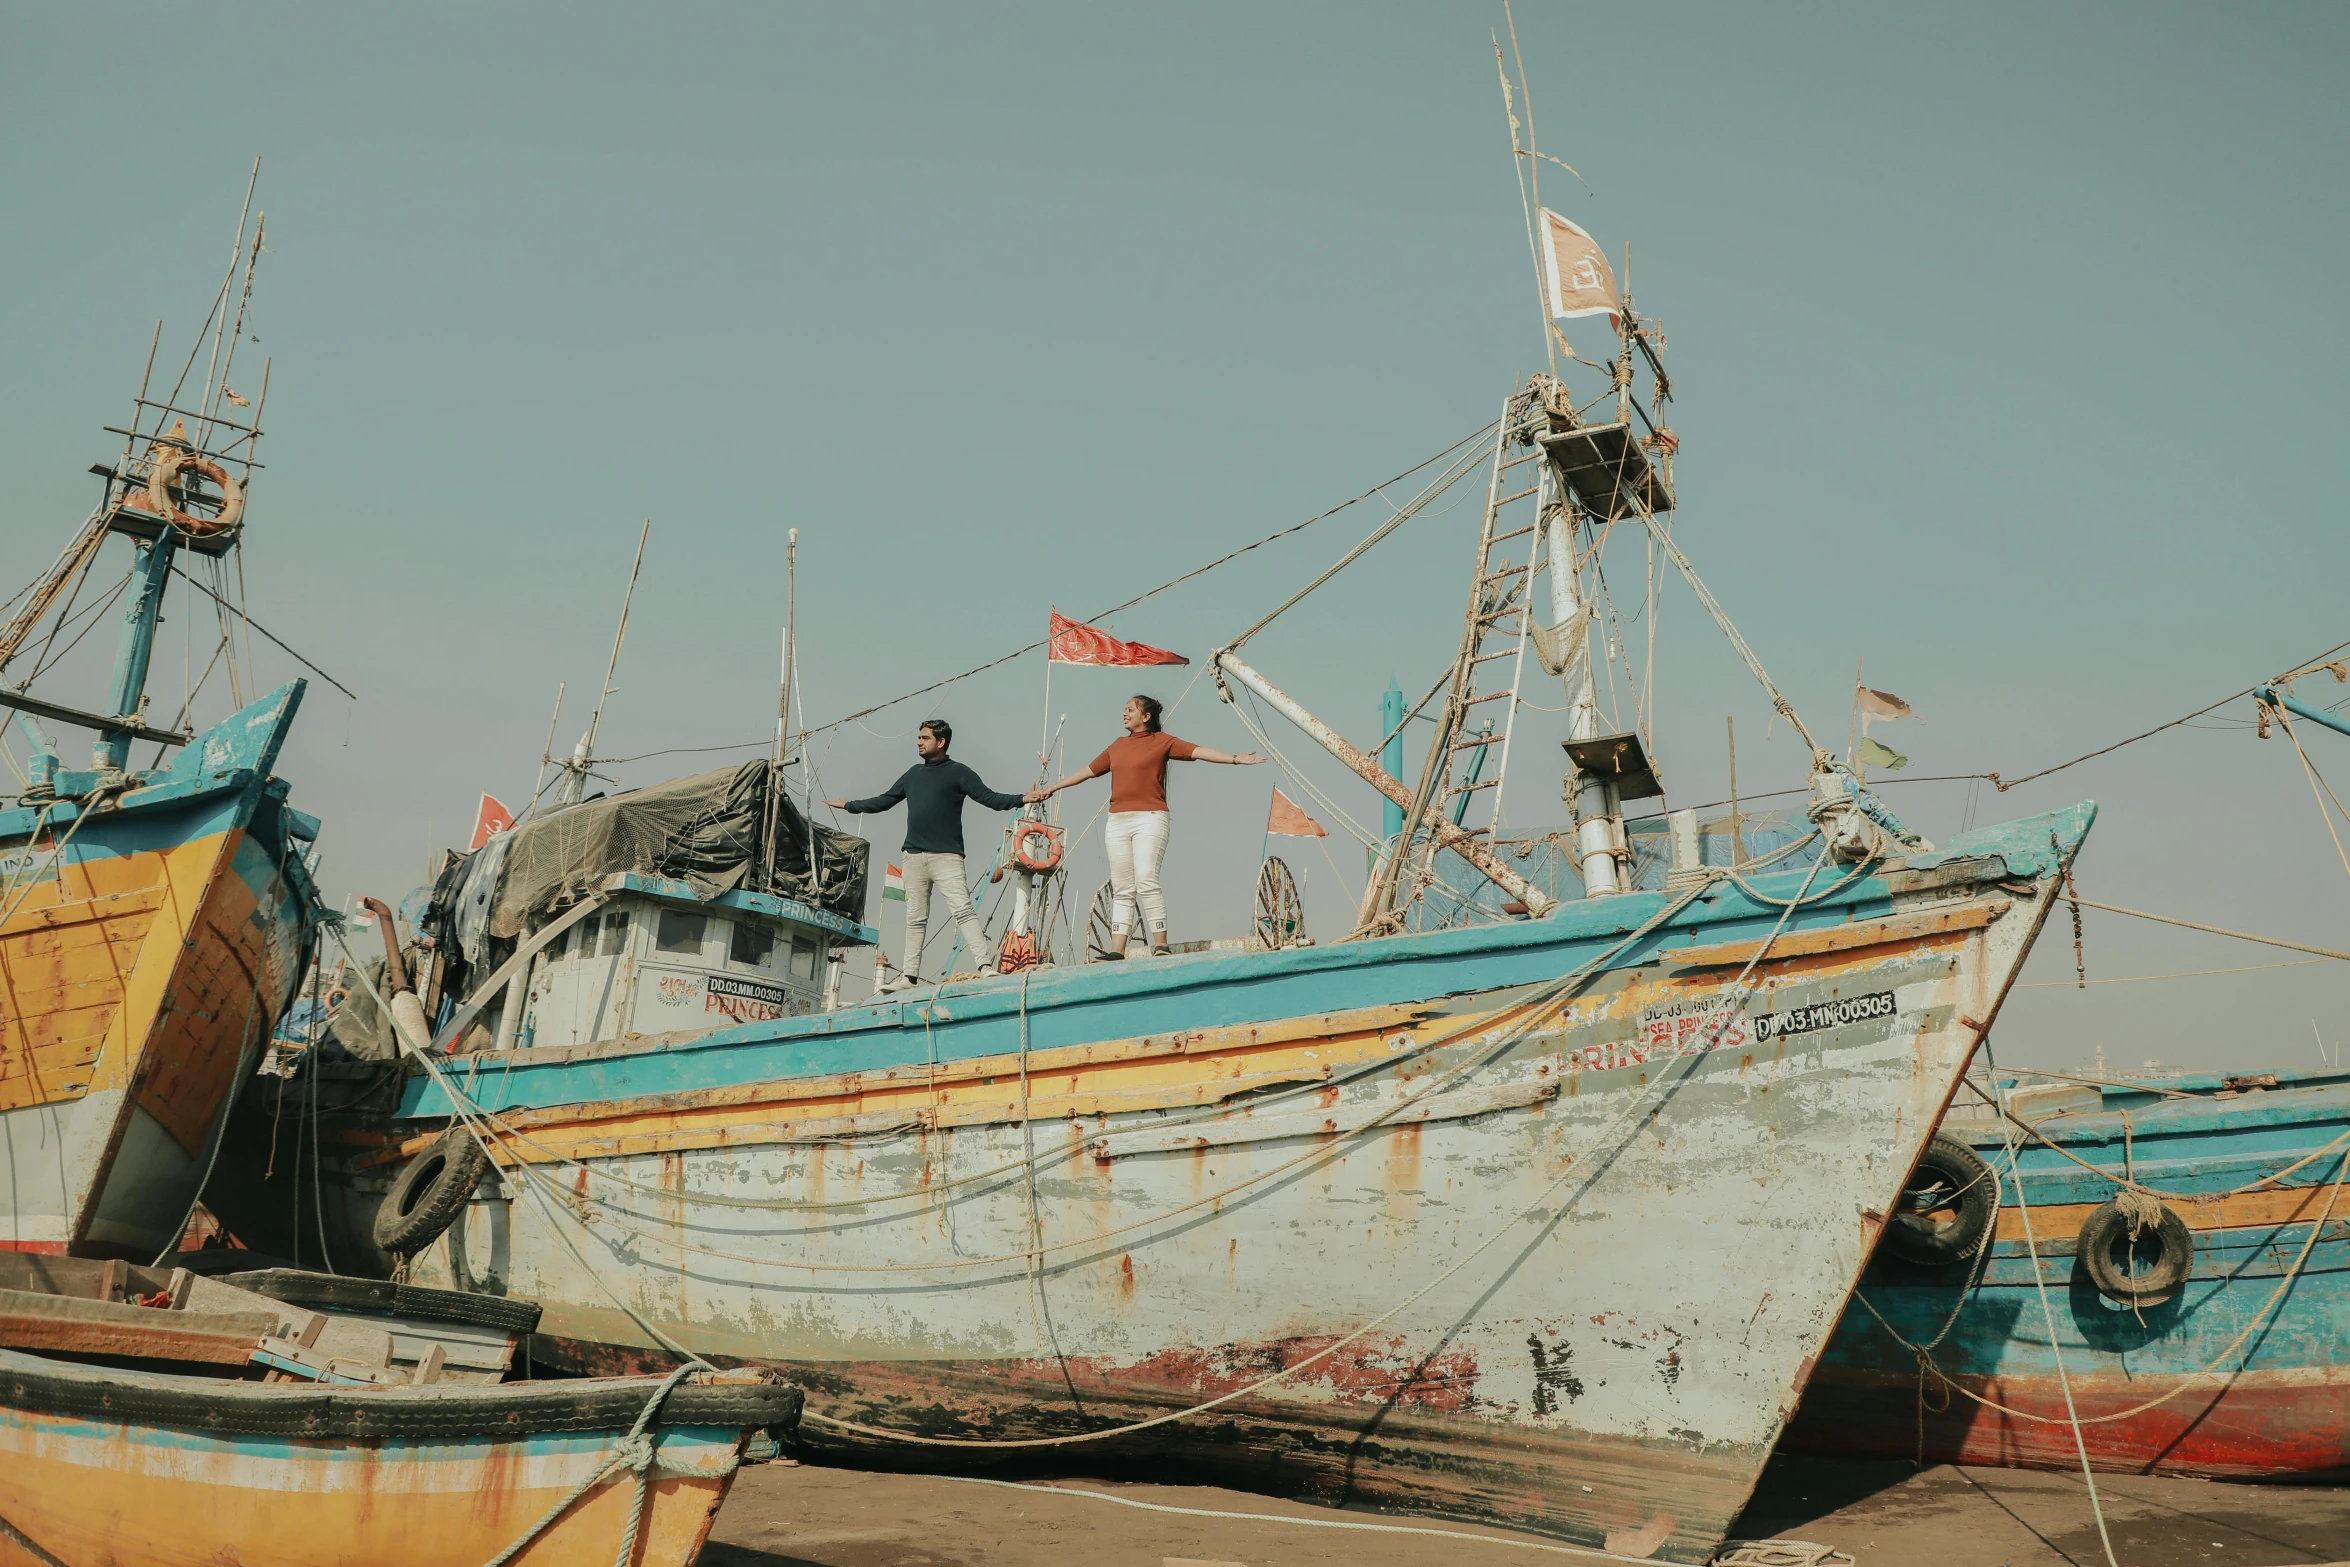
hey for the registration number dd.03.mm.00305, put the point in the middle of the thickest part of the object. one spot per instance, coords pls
(1824, 1014)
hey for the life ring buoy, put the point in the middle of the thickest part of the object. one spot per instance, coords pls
(1036, 846)
(2112, 1245)
(430, 1192)
(1946, 1206)
(170, 462)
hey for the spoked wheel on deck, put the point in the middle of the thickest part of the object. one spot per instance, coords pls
(1097, 924)
(1281, 914)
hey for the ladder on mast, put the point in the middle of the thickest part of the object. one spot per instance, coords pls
(1469, 757)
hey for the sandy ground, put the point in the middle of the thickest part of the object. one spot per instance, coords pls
(1883, 1514)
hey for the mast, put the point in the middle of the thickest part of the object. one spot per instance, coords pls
(791, 600)
(150, 570)
(582, 760)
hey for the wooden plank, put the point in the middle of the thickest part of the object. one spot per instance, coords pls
(63, 1325)
(1842, 938)
(82, 911)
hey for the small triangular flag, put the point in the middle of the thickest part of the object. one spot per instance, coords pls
(1872, 752)
(1884, 704)
(1287, 821)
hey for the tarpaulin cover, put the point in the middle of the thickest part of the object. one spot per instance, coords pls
(706, 831)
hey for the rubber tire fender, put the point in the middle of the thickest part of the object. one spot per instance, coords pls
(2107, 1225)
(1946, 1165)
(432, 1189)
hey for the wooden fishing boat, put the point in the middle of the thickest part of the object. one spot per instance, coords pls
(2214, 1341)
(1530, 1202)
(220, 1425)
(152, 920)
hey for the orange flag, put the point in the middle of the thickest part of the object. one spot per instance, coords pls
(489, 821)
(1287, 821)
(1075, 642)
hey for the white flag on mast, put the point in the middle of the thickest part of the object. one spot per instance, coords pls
(1575, 274)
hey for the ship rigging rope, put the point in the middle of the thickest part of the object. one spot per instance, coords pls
(2064, 1382)
(2130, 1183)
(2307, 666)
(2276, 1296)
(1461, 468)
(1172, 582)
(1722, 619)
(2212, 930)
(2315, 780)
(18, 1538)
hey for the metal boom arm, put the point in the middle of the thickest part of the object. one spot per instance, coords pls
(1462, 843)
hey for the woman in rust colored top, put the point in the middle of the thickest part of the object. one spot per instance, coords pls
(1137, 835)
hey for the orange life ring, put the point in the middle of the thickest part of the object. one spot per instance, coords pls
(1036, 846)
(170, 462)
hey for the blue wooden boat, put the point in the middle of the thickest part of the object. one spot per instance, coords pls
(155, 914)
(2216, 1341)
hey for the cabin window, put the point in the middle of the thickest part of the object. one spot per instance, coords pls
(615, 937)
(752, 944)
(555, 947)
(679, 932)
(803, 959)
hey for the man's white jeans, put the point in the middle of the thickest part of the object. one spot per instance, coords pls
(1138, 847)
(944, 872)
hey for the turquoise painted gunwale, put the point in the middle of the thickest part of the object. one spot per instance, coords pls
(1064, 1007)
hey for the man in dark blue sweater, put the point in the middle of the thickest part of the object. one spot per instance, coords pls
(934, 791)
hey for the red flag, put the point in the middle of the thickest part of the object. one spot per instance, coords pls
(492, 819)
(1287, 821)
(1075, 642)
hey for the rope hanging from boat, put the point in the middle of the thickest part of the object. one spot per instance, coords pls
(2064, 1383)
(1460, 469)
(18, 1538)
(638, 1451)
(2213, 930)
(2315, 780)
(1713, 607)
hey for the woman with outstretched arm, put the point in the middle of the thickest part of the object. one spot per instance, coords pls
(1139, 820)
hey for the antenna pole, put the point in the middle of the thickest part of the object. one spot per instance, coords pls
(1533, 162)
(235, 254)
(583, 756)
(1737, 825)
(546, 754)
(791, 601)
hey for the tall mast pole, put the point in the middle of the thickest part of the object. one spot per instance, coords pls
(583, 755)
(791, 600)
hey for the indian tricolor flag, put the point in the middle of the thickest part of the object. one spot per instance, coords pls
(893, 885)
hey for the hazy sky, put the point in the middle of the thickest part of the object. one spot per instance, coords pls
(2009, 343)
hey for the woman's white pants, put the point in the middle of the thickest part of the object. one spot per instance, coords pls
(1137, 842)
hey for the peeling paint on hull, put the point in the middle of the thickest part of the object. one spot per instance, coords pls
(1619, 1231)
(140, 973)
